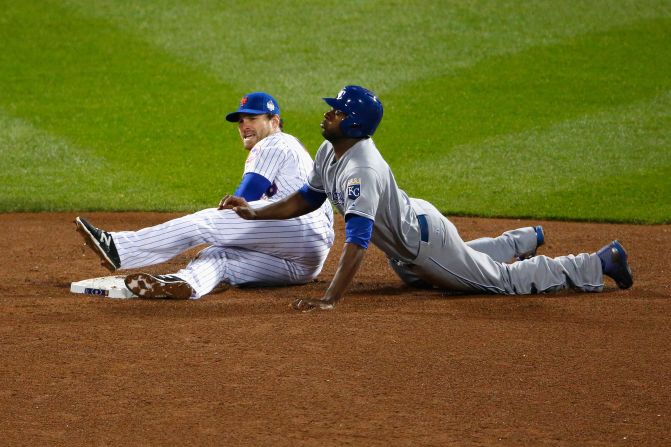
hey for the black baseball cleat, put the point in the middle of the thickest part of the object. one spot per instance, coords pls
(101, 242)
(540, 240)
(145, 285)
(614, 264)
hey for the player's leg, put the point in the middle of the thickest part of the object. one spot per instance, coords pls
(285, 238)
(216, 265)
(159, 243)
(511, 245)
(450, 263)
(403, 271)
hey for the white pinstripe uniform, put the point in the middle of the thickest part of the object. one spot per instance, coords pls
(242, 252)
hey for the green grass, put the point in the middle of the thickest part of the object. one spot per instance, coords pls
(496, 108)
(578, 130)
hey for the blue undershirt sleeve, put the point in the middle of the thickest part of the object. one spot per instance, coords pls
(252, 187)
(311, 196)
(358, 230)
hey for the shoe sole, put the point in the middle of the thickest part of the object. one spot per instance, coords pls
(94, 245)
(145, 285)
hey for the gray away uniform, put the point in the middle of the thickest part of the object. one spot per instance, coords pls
(424, 246)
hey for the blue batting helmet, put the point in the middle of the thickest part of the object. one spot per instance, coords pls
(363, 109)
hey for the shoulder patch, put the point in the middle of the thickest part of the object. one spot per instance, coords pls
(353, 188)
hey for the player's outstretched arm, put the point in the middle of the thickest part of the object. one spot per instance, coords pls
(350, 262)
(293, 206)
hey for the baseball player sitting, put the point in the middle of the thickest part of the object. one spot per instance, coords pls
(423, 246)
(278, 252)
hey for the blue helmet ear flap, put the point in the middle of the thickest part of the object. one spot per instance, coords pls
(351, 128)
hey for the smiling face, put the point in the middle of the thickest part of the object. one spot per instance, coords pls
(254, 128)
(331, 124)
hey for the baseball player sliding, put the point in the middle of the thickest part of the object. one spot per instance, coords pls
(264, 252)
(422, 245)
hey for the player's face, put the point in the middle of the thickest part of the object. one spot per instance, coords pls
(254, 128)
(331, 124)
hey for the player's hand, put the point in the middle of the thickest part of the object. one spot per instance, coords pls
(228, 202)
(238, 205)
(307, 305)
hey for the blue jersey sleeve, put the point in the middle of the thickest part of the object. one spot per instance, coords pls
(252, 187)
(358, 230)
(313, 197)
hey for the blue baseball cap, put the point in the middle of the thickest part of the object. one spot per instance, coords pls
(256, 103)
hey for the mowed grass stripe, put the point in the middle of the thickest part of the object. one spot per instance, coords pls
(149, 100)
(142, 111)
(534, 89)
(600, 169)
(311, 48)
(32, 169)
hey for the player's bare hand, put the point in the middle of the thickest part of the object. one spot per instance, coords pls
(239, 205)
(228, 201)
(307, 305)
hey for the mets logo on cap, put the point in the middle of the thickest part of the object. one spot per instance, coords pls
(354, 188)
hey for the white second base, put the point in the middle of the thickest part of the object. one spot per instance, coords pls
(104, 287)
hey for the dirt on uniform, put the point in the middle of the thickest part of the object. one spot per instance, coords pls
(389, 366)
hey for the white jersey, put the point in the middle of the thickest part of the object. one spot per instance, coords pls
(281, 159)
(242, 252)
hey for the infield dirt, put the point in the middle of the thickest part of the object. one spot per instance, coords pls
(389, 366)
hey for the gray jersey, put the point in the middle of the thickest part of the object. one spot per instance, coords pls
(362, 183)
(359, 183)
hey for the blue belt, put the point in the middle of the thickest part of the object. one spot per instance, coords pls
(423, 228)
